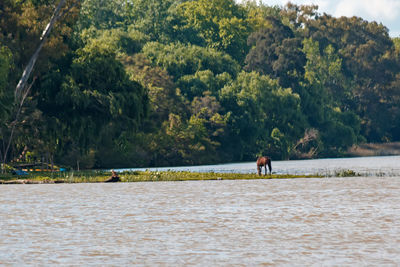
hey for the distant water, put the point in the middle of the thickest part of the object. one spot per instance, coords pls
(291, 222)
(368, 166)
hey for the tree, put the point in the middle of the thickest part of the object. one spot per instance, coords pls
(103, 14)
(6, 95)
(202, 81)
(296, 17)
(164, 96)
(93, 95)
(5, 69)
(154, 18)
(368, 58)
(179, 59)
(325, 94)
(189, 141)
(257, 105)
(23, 88)
(276, 52)
(222, 24)
(122, 41)
(396, 42)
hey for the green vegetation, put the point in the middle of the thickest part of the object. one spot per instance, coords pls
(138, 176)
(160, 83)
(346, 173)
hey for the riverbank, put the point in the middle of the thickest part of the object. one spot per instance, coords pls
(374, 149)
(137, 176)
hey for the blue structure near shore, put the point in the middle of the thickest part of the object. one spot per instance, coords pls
(19, 172)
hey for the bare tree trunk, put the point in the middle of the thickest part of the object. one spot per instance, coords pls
(22, 90)
(28, 69)
(15, 121)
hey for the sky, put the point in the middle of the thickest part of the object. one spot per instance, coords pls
(386, 12)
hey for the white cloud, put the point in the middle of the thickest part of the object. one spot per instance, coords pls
(386, 12)
(346, 8)
(379, 10)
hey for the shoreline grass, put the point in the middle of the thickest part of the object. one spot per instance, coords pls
(136, 176)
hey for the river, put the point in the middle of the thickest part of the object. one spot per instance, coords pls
(367, 166)
(325, 222)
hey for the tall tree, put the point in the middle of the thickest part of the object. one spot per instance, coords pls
(324, 98)
(103, 14)
(368, 60)
(276, 51)
(6, 95)
(222, 24)
(180, 59)
(258, 105)
(23, 88)
(91, 95)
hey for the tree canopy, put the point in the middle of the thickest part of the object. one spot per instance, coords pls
(151, 83)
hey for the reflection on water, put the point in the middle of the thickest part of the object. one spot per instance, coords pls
(330, 221)
(367, 166)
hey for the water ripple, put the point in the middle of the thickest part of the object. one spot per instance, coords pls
(329, 222)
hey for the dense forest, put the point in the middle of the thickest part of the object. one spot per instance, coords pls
(130, 83)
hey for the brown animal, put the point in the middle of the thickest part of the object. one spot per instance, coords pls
(263, 162)
(114, 178)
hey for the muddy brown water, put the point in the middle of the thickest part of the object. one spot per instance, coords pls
(294, 222)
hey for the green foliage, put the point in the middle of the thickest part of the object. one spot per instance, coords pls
(93, 96)
(98, 85)
(154, 18)
(179, 59)
(369, 61)
(327, 89)
(396, 42)
(117, 40)
(5, 92)
(22, 24)
(276, 52)
(103, 14)
(202, 81)
(150, 83)
(346, 173)
(189, 140)
(222, 24)
(258, 105)
(95, 176)
(5, 65)
(163, 95)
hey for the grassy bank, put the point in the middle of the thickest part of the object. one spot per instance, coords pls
(135, 176)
